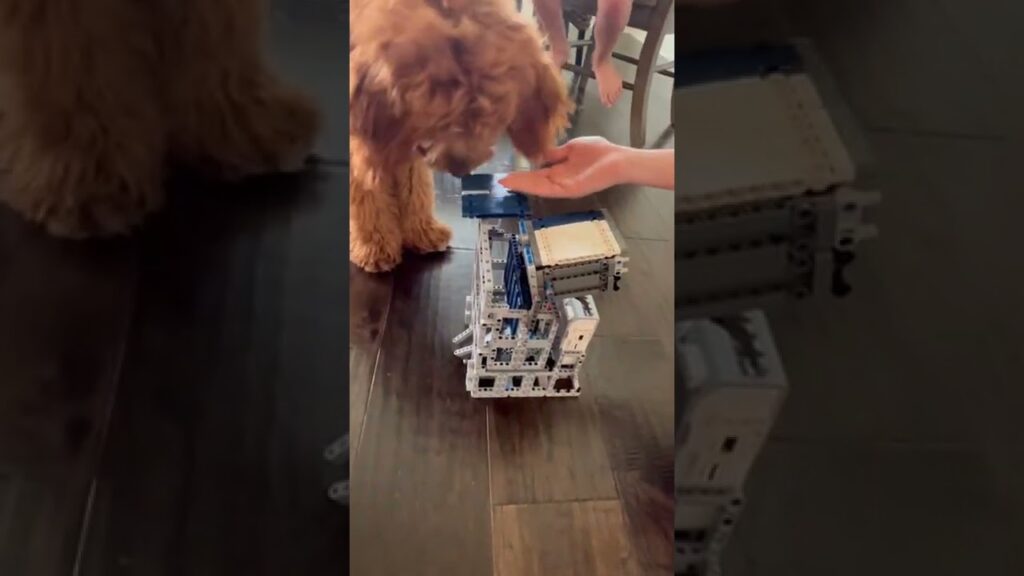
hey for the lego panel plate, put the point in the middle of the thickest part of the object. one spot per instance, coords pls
(484, 197)
(756, 138)
(576, 242)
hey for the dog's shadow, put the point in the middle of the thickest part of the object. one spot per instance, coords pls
(419, 276)
(203, 216)
(221, 211)
(269, 250)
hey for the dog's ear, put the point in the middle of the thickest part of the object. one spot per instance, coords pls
(403, 82)
(375, 113)
(542, 113)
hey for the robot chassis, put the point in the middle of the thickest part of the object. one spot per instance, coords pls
(758, 221)
(531, 315)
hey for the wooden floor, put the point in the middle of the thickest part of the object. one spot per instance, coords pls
(165, 399)
(444, 484)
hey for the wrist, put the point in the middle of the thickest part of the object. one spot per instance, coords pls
(625, 164)
(649, 167)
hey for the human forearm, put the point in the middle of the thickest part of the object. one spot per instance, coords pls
(549, 13)
(654, 168)
(611, 20)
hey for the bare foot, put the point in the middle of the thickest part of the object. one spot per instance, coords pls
(609, 82)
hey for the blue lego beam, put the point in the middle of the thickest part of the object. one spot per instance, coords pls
(722, 65)
(517, 284)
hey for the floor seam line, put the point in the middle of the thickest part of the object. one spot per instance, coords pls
(616, 498)
(117, 378)
(373, 377)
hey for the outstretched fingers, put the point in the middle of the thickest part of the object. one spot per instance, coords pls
(541, 182)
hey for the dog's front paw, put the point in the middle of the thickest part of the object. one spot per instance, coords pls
(430, 237)
(76, 193)
(375, 257)
(270, 129)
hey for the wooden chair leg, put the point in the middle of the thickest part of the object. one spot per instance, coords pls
(672, 110)
(581, 35)
(577, 56)
(584, 76)
(642, 86)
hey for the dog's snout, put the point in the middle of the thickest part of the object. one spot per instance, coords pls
(459, 168)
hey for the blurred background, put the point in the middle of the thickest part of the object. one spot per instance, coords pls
(898, 449)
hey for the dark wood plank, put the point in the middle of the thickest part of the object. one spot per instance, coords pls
(369, 298)
(420, 500)
(65, 308)
(584, 538)
(234, 383)
(649, 506)
(548, 451)
(633, 384)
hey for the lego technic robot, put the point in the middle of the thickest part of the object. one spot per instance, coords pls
(531, 314)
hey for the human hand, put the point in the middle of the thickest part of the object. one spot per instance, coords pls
(578, 168)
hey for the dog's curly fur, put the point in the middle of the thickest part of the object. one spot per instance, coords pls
(433, 85)
(99, 97)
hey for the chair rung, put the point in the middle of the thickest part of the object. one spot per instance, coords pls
(625, 58)
(666, 69)
(577, 70)
(590, 74)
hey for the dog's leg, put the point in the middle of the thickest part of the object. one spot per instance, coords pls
(375, 235)
(82, 136)
(230, 113)
(421, 232)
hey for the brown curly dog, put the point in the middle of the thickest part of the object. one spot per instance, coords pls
(433, 85)
(97, 98)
